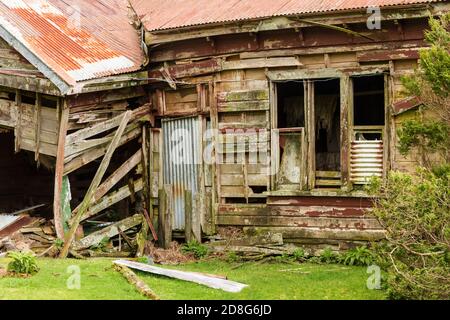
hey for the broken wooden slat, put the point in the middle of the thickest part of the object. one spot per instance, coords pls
(212, 282)
(108, 232)
(95, 183)
(91, 155)
(112, 180)
(112, 198)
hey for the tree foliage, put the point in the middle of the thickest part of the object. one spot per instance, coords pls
(414, 209)
(431, 84)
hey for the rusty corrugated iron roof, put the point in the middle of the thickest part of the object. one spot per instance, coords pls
(76, 39)
(170, 14)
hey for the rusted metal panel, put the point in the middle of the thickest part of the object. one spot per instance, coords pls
(181, 156)
(160, 15)
(77, 40)
(405, 105)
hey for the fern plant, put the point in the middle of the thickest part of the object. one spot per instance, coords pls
(197, 249)
(360, 256)
(22, 263)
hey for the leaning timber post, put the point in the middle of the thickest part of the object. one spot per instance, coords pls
(59, 173)
(85, 204)
(188, 215)
(166, 208)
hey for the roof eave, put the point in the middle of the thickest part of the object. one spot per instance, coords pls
(62, 85)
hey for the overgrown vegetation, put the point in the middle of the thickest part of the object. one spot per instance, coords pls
(415, 213)
(22, 263)
(198, 250)
(415, 208)
(430, 133)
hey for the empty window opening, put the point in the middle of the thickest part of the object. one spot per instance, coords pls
(327, 124)
(291, 100)
(368, 101)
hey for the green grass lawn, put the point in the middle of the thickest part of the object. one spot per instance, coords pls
(266, 281)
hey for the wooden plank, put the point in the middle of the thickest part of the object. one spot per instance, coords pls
(242, 95)
(300, 221)
(257, 63)
(95, 183)
(196, 218)
(346, 107)
(320, 233)
(212, 282)
(244, 106)
(188, 215)
(59, 172)
(324, 182)
(165, 216)
(112, 198)
(238, 179)
(37, 124)
(108, 232)
(115, 177)
(92, 155)
(328, 174)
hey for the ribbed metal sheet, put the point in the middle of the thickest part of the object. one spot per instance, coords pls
(6, 220)
(181, 141)
(76, 39)
(366, 159)
(168, 14)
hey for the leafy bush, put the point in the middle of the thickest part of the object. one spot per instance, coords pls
(22, 263)
(299, 254)
(415, 212)
(360, 256)
(197, 249)
(328, 256)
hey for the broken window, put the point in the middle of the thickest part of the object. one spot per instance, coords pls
(291, 111)
(367, 148)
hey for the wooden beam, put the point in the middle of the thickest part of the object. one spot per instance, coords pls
(188, 215)
(114, 178)
(108, 232)
(59, 172)
(346, 112)
(95, 182)
(18, 128)
(111, 199)
(37, 126)
(96, 153)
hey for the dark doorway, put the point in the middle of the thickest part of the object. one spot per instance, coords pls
(327, 124)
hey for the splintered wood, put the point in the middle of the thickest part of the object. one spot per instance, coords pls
(212, 282)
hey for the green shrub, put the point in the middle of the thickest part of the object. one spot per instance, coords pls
(415, 212)
(360, 256)
(299, 254)
(328, 256)
(197, 249)
(22, 263)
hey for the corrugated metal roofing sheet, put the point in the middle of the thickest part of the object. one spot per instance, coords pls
(76, 39)
(168, 14)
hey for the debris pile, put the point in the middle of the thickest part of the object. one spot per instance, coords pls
(25, 233)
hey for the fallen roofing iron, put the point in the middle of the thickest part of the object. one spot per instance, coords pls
(209, 281)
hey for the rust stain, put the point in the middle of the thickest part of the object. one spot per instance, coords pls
(158, 15)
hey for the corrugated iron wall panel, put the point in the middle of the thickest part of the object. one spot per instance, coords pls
(181, 140)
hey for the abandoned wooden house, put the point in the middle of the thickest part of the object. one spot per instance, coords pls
(269, 116)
